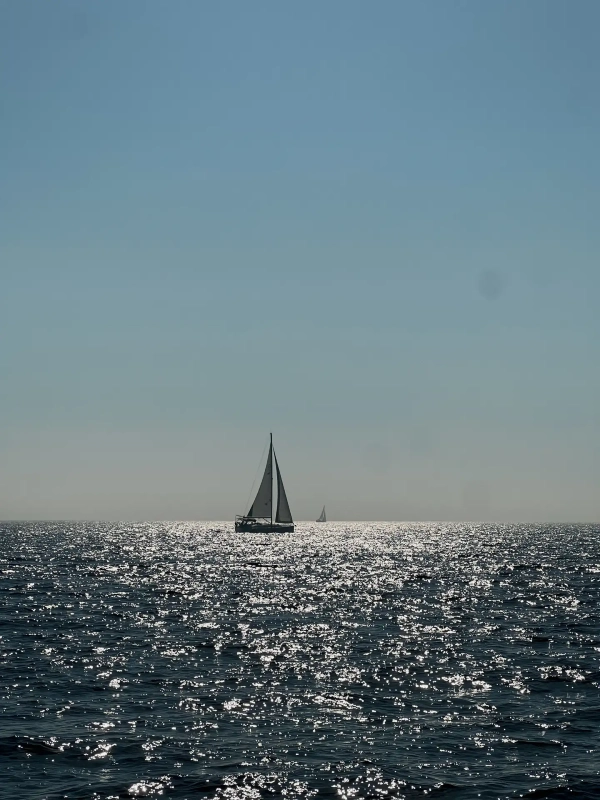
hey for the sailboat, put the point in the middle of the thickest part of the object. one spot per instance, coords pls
(322, 518)
(260, 517)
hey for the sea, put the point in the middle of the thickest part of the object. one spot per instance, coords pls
(347, 660)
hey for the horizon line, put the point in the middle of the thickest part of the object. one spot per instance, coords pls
(312, 521)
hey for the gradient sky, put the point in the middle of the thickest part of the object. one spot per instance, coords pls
(369, 227)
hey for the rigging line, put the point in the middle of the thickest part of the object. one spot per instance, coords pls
(247, 506)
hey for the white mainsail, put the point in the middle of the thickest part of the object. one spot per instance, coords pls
(322, 518)
(262, 506)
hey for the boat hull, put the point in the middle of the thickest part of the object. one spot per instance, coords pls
(256, 526)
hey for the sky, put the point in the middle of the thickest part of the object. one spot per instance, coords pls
(371, 228)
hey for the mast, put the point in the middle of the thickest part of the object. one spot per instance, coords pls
(271, 435)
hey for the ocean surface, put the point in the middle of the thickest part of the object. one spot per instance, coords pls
(350, 660)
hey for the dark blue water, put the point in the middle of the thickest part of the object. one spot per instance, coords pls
(346, 660)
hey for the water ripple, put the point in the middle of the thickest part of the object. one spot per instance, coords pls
(349, 660)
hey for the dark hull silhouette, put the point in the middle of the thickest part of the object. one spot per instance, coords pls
(245, 525)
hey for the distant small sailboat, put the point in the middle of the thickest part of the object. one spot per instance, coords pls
(260, 517)
(322, 518)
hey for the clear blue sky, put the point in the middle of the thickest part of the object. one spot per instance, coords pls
(369, 227)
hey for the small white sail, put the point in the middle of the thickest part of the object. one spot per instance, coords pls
(322, 518)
